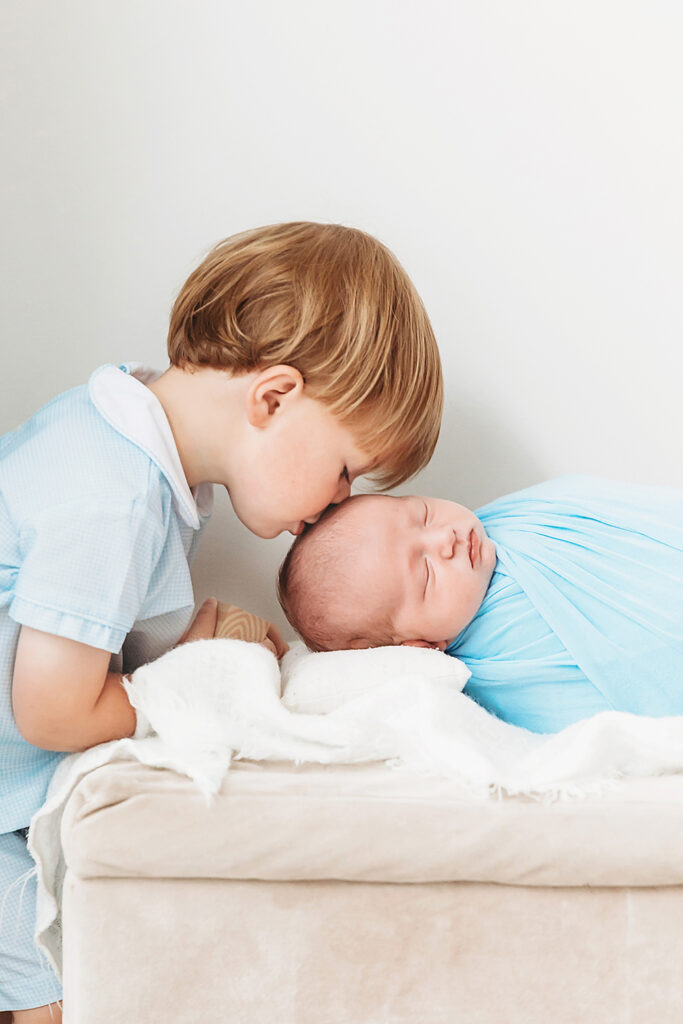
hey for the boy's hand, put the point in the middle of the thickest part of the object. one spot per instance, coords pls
(274, 642)
(203, 626)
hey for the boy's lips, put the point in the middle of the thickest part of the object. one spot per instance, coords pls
(303, 524)
(474, 547)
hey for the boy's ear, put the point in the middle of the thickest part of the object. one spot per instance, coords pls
(271, 390)
(441, 645)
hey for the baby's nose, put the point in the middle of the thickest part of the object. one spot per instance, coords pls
(444, 541)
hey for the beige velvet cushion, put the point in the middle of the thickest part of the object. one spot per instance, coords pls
(367, 823)
(189, 951)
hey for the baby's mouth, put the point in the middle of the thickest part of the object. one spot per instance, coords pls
(474, 547)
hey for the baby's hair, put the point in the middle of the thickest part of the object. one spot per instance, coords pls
(337, 305)
(311, 580)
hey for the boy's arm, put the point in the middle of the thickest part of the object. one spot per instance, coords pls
(64, 697)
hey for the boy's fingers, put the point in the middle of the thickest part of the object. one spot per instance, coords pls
(204, 628)
(275, 637)
(204, 625)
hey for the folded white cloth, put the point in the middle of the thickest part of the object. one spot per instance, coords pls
(213, 701)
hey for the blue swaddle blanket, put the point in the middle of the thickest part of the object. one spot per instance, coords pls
(584, 612)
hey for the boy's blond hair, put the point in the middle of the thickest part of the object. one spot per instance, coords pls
(336, 304)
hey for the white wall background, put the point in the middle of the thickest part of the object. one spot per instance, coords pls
(523, 159)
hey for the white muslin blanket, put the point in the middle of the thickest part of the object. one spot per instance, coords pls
(214, 701)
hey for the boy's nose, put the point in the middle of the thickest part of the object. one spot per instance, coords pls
(342, 492)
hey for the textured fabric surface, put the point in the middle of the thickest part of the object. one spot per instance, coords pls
(319, 684)
(368, 823)
(209, 700)
(216, 700)
(186, 950)
(26, 978)
(280, 902)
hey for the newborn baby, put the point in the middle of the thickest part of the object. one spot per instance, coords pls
(563, 600)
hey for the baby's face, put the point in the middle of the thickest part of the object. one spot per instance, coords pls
(427, 562)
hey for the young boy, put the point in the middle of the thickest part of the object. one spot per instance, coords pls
(563, 600)
(301, 357)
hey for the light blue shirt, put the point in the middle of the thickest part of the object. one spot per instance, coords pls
(98, 528)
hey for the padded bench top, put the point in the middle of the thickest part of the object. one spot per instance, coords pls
(368, 823)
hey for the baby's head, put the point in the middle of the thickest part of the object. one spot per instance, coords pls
(380, 570)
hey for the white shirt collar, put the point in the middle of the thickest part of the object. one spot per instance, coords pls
(120, 395)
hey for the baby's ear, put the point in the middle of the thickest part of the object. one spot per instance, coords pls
(270, 390)
(441, 645)
(359, 644)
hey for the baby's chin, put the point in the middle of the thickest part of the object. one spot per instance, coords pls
(489, 558)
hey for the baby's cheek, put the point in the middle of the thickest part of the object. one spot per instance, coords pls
(472, 596)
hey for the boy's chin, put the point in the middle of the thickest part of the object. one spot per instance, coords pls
(266, 531)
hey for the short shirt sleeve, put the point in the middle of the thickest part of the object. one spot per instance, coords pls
(86, 569)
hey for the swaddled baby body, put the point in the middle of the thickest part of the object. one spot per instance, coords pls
(563, 600)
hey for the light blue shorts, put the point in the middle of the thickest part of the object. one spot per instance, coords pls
(26, 978)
